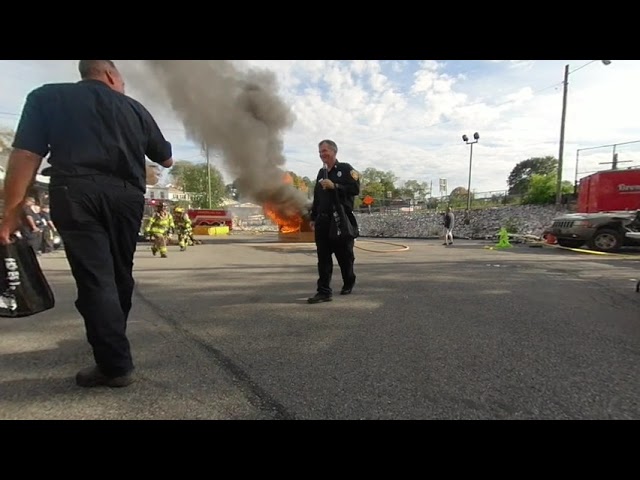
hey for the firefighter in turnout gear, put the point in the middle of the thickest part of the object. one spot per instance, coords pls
(183, 228)
(158, 228)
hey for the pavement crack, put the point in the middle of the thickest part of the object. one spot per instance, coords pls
(255, 394)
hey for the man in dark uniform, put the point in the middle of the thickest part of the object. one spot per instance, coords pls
(31, 228)
(97, 138)
(336, 181)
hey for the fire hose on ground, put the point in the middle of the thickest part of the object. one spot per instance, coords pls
(401, 247)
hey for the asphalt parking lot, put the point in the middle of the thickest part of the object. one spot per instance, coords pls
(223, 331)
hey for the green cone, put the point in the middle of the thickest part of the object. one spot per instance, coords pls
(503, 241)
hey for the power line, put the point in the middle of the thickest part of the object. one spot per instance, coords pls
(374, 139)
(406, 131)
(582, 66)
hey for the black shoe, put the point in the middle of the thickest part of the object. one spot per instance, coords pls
(319, 297)
(93, 377)
(346, 290)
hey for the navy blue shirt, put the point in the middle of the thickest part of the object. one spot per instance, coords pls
(88, 128)
(347, 182)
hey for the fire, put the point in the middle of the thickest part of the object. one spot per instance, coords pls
(287, 222)
(288, 219)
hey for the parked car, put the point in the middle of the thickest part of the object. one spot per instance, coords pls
(603, 231)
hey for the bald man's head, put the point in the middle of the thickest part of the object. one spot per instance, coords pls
(93, 68)
(103, 70)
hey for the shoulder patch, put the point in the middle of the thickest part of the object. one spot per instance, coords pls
(355, 175)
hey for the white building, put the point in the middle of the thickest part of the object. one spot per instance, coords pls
(167, 192)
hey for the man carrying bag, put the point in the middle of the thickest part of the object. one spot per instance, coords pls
(332, 219)
(96, 139)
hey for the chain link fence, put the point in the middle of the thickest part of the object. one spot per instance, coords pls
(479, 200)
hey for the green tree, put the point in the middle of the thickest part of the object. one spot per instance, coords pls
(375, 190)
(299, 182)
(458, 193)
(521, 174)
(192, 178)
(310, 185)
(542, 189)
(380, 185)
(386, 179)
(413, 189)
(433, 202)
(458, 197)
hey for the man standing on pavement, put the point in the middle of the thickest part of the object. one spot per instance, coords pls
(31, 224)
(336, 181)
(97, 139)
(448, 227)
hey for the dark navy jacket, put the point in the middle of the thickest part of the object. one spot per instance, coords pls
(347, 181)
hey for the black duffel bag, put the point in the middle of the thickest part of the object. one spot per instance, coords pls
(344, 226)
(24, 290)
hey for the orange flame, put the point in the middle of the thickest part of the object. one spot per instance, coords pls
(286, 223)
(287, 220)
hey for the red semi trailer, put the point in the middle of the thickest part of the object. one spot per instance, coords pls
(609, 191)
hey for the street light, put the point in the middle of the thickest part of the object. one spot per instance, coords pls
(465, 139)
(565, 84)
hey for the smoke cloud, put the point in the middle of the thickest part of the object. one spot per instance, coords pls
(237, 112)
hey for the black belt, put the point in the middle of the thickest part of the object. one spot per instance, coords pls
(103, 179)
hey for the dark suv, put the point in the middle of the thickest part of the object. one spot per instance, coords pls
(603, 231)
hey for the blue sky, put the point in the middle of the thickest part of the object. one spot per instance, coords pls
(409, 116)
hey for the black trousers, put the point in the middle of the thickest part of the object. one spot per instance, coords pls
(325, 249)
(98, 218)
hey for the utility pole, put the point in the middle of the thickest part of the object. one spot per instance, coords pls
(465, 139)
(469, 185)
(562, 122)
(615, 161)
(206, 150)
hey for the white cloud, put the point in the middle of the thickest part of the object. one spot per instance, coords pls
(398, 66)
(408, 116)
(522, 64)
